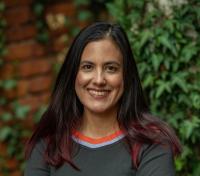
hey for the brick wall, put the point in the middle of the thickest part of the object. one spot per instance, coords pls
(29, 61)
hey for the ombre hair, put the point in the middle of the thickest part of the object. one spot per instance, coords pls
(65, 111)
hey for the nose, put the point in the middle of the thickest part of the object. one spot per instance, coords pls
(99, 78)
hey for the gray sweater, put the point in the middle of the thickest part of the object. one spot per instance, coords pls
(109, 160)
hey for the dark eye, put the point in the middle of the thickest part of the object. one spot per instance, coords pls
(111, 68)
(86, 67)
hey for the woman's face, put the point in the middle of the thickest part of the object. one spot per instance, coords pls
(99, 82)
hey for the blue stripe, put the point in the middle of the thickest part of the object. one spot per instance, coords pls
(87, 144)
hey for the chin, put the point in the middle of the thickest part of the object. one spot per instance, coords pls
(99, 109)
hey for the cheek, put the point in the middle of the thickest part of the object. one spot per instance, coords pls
(117, 83)
(81, 80)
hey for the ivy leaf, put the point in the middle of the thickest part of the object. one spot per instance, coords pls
(189, 126)
(162, 87)
(39, 113)
(6, 116)
(2, 6)
(8, 84)
(137, 3)
(196, 169)
(145, 36)
(81, 2)
(38, 9)
(195, 100)
(43, 37)
(75, 31)
(148, 81)
(179, 80)
(20, 110)
(3, 53)
(1, 60)
(188, 129)
(179, 164)
(116, 11)
(183, 99)
(156, 61)
(188, 52)
(3, 23)
(3, 101)
(84, 15)
(169, 25)
(5, 132)
(165, 41)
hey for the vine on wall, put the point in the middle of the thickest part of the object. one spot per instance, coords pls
(166, 44)
(13, 131)
(38, 9)
(11, 112)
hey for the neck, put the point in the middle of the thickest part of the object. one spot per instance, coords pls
(97, 125)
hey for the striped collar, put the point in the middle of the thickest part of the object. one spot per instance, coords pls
(96, 143)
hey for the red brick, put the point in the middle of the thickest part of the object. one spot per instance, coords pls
(58, 32)
(12, 163)
(58, 44)
(81, 24)
(7, 71)
(31, 101)
(35, 101)
(23, 32)
(16, 173)
(66, 8)
(3, 149)
(41, 83)
(20, 90)
(28, 123)
(10, 3)
(34, 67)
(24, 51)
(18, 15)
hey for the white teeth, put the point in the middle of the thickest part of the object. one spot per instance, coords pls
(98, 93)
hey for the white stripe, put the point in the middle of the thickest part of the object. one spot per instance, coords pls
(87, 144)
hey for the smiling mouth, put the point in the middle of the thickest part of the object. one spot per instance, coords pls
(98, 93)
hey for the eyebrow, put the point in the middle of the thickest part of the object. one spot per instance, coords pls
(106, 63)
(86, 62)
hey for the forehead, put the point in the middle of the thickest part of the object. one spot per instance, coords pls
(103, 49)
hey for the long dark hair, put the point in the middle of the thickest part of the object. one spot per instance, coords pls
(65, 110)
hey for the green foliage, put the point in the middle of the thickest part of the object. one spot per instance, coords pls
(12, 132)
(39, 113)
(20, 111)
(166, 46)
(84, 15)
(81, 2)
(2, 6)
(3, 50)
(8, 84)
(38, 9)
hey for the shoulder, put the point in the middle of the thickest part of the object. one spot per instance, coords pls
(156, 149)
(36, 165)
(38, 149)
(156, 160)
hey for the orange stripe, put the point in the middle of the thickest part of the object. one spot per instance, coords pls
(82, 137)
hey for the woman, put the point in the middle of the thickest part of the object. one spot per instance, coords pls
(97, 122)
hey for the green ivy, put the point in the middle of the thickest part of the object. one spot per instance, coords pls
(11, 131)
(166, 46)
(38, 7)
